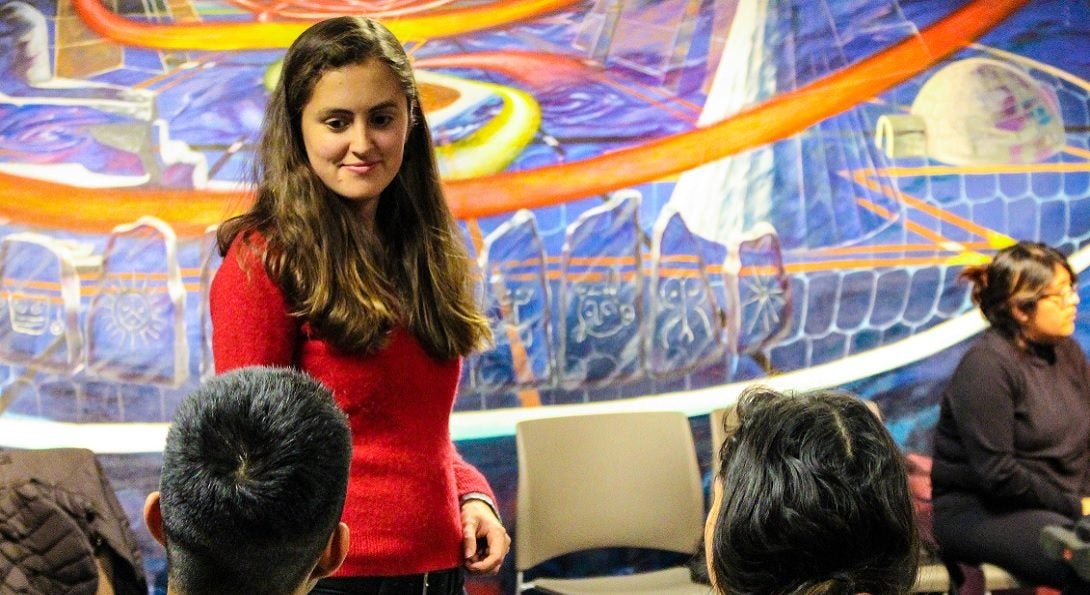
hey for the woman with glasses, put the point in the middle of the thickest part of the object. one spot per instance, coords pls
(1012, 446)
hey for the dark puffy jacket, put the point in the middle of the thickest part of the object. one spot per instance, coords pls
(61, 527)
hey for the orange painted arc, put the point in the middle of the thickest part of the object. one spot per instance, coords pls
(48, 204)
(891, 248)
(280, 34)
(860, 263)
(775, 119)
(971, 170)
(912, 226)
(190, 212)
(862, 178)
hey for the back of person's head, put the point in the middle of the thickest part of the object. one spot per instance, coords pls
(255, 471)
(1014, 278)
(811, 497)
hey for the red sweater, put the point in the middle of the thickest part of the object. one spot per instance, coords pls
(406, 478)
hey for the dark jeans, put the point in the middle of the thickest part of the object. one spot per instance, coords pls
(439, 582)
(969, 530)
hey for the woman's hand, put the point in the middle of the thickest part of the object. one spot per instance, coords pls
(484, 539)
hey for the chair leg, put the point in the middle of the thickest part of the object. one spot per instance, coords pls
(957, 576)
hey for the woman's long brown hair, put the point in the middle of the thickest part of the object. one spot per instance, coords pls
(353, 285)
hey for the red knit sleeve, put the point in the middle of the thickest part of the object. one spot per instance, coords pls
(251, 321)
(469, 479)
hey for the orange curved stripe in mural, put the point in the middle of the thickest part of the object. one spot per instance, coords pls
(272, 35)
(95, 210)
(323, 10)
(775, 119)
(535, 69)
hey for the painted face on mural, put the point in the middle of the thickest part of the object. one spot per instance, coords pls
(1054, 317)
(25, 29)
(354, 130)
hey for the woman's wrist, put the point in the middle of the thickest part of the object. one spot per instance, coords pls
(480, 497)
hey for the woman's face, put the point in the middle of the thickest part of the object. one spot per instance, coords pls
(1054, 317)
(354, 129)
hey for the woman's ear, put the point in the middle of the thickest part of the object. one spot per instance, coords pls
(1020, 315)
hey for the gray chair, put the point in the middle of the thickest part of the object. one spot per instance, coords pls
(998, 579)
(932, 578)
(608, 480)
(971, 579)
(935, 578)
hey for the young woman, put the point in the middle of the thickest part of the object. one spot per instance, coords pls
(810, 498)
(1012, 446)
(349, 267)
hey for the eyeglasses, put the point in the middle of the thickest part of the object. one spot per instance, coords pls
(1068, 295)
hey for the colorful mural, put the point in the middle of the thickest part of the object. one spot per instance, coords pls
(667, 198)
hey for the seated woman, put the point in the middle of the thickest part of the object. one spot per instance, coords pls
(1012, 446)
(811, 497)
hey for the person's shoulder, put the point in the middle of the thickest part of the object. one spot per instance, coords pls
(247, 249)
(991, 349)
(248, 240)
(244, 260)
(993, 342)
(1071, 348)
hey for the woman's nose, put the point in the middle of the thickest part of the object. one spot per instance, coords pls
(361, 140)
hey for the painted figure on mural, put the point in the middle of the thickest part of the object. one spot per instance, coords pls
(51, 118)
(1012, 446)
(349, 266)
(29, 76)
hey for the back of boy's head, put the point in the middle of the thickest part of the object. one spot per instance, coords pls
(815, 500)
(254, 477)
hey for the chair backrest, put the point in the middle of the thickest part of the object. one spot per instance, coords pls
(722, 421)
(606, 480)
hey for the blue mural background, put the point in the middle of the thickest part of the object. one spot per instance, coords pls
(667, 199)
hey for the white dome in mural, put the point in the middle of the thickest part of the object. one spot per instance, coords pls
(982, 111)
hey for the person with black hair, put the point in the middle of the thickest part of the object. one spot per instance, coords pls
(1012, 445)
(255, 472)
(811, 497)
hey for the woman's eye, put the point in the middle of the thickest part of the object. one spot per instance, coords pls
(382, 120)
(336, 123)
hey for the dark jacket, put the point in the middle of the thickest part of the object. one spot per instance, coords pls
(59, 521)
(1014, 427)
